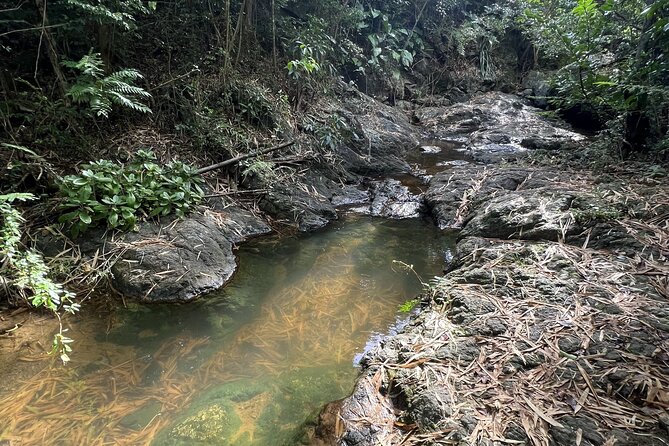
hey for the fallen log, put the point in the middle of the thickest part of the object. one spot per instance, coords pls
(242, 157)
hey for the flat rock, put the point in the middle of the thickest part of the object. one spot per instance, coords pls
(549, 312)
(184, 259)
(497, 126)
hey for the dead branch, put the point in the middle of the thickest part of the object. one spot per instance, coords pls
(243, 157)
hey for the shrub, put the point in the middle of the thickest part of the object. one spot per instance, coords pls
(119, 196)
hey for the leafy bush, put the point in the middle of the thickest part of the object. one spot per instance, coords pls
(612, 58)
(118, 196)
(25, 273)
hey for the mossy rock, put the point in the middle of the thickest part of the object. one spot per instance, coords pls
(257, 412)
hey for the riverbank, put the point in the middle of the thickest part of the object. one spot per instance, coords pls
(550, 326)
(553, 270)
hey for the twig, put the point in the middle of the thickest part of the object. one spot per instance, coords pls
(243, 157)
(237, 192)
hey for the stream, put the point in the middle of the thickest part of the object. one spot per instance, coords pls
(244, 366)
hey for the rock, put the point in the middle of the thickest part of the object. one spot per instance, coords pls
(183, 260)
(501, 337)
(391, 199)
(384, 134)
(452, 195)
(496, 126)
(538, 88)
(307, 209)
(367, 403)
(350, 195)
(535, 214)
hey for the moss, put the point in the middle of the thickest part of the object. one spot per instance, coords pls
(596, 214)
(213, 423)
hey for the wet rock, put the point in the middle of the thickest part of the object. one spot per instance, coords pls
(184, 259)
(307, 209)
(376, 409)
(496, 126)
(391, 199)
(430, 149)
(350, 195)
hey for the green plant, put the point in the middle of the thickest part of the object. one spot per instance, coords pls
(392, 47)
(101, 92)
(25, 272)
(306, 65)
(330, 132)
(262, 170)
(612, 59)
(120, 195)
(408, 306)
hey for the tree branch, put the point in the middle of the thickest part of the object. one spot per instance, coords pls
(242, 157)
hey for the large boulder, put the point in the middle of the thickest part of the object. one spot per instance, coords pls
(184, 259)
(307, 209)
(383, 134)
(537, 88)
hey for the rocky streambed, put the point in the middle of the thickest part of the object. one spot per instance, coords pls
(551, 326)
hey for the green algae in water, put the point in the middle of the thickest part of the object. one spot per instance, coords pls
(329, 293)
(252, 412)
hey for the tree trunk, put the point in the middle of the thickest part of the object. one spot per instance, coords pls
(242, 157)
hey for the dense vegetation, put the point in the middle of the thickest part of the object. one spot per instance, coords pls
(221, 76)
(66, 61)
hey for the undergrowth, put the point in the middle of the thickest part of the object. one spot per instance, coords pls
(119, 196)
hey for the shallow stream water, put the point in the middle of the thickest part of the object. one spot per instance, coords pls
(244, 366)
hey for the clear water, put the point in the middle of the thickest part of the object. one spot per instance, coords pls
(441, 156)
(245, 366)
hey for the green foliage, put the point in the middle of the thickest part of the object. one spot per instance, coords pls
(120, 195)
(408, 306)
(329, 132)
(391, 47)
(306, 65)
(480, 34)
(119, 12)
(312, 53)
(25, 272)
(100, 92)
(612, 55)
(261, 170)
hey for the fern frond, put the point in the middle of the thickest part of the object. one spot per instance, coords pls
(101, 106)
(128, 102)
(125, 75)
(122, 87)
(101, 92)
